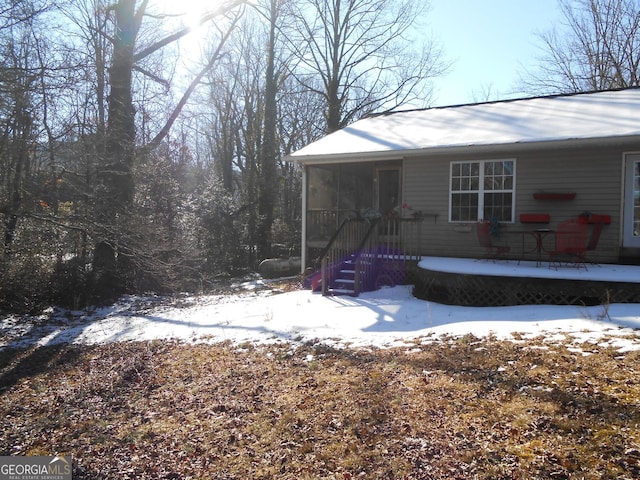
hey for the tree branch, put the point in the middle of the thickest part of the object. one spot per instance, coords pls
(190, 89)
(185, 31)
(153, 76)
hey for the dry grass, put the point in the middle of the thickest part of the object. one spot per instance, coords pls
(459, 409)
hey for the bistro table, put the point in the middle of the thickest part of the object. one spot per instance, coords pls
(538, 235)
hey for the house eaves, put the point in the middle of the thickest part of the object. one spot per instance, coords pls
(599, 118)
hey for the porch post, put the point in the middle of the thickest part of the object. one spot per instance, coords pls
(303, 240)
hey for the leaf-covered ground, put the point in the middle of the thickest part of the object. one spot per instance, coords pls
(458, 409)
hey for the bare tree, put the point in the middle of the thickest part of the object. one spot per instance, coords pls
(597, 47)
(363, 54)
(21, 107)
(17, 135)
(20, 11)
(115, 178)
(269, 151)
(246, 138)
(31, 76)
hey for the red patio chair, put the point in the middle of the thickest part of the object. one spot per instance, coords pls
(571, 244)
(485, 239)
(594, 238)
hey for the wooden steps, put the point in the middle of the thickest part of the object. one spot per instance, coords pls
(344, 282)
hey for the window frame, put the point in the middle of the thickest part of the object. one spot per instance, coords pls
(481, 191)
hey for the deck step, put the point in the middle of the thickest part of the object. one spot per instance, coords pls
(343, 282)
(341, 291)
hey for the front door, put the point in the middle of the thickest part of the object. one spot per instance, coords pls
(631, 218)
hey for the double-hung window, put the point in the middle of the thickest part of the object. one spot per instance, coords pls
(482, 190)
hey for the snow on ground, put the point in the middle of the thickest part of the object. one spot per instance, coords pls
(514, 268)
(386, 318)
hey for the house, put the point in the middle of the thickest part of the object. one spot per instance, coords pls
(543, 159)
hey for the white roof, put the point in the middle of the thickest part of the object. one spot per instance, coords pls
(608, 114)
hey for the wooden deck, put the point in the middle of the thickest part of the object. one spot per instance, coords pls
(472, 282)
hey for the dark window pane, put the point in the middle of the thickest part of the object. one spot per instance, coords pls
(498, 205)
(464, 207)
(508, 183)
(508, 167)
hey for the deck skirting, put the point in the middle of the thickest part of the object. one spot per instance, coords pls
(487, 290)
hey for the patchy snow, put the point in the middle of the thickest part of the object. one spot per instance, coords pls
(544, 119)
(386, 318)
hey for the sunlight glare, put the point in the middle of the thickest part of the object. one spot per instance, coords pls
(187, 13)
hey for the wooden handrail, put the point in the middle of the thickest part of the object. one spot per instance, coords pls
(318, 262)
(372, 221)
(366, 238)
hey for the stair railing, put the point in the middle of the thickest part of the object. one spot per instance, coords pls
(348, 239)
(372, 242)
(330, 243)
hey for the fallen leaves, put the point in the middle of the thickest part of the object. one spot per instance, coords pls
(460, 409)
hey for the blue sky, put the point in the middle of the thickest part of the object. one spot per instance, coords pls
(489, 42)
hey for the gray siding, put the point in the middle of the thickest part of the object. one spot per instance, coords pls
(594, 174)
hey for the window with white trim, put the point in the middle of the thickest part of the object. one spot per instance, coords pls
(482, 190)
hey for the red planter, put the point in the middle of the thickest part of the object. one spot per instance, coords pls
(535, 218)
(604, 219)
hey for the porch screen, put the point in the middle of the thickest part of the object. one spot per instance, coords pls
(482, 190)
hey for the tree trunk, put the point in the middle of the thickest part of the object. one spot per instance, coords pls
(19, 149)
(268, 183)
(114, 175)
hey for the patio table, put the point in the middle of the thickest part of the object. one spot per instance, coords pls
(538, 235)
